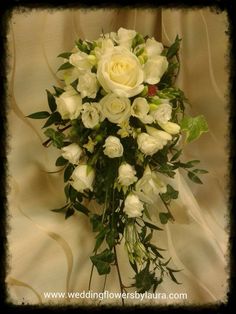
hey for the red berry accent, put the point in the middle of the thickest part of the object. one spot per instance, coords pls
(152, 90)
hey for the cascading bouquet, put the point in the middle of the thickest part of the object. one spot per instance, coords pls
(118, 123)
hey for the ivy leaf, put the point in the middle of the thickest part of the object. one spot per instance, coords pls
(96, 221)
(56, 137)
(170, 194)
(68, 172)
(81, 208)
(144, 279)
(39, 115)
(70, 211)
(61, 161)
(65, 55)
(192, 176)
(65, 66)
(102, 261)
(194, 127)
(164, 217)
(111, 238)
(99, 239)
(55, 117)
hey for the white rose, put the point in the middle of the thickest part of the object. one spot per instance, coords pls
(153, 47)
(115, 109)
(149, 186)
(81, 61)
(140, 109)
(126, 174)
(161, 137)
(69, 104)
(119, 71)
(170, 127)
(103, 46)
(125, 37)
(83, 177)
(113, 147)
(133, 206)
(88, 85)
(72, 153)
(148, 144)
(154, 68)
(90, 115)
(162, 113)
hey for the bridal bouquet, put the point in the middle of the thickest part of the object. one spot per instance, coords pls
(119, 123)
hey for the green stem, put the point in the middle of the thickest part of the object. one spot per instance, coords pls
(119, 276)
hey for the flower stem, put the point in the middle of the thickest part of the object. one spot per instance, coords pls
(119, 276)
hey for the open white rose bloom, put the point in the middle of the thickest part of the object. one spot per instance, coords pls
(115, 130)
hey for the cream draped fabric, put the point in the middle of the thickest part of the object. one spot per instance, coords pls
(50, 254)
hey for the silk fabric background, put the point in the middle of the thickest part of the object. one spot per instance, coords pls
(49, 253)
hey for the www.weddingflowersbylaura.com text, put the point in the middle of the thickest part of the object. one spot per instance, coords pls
(114, 295)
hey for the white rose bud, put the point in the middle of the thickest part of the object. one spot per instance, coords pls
(115, 109)
(162, 113)
(140, 109)
(148, 144)
(125, 37)
(69, 104)
(161, 136)
(120, 72)
(83, 177)
(149, 186)
(133, 206)
(90, 115)
(72, 153)
(81, 61)
(154, 68)
(126, 174)
(153, 47)
(113, 147)
(88, 85)
(170, 127)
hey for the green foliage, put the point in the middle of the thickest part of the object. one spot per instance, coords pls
(39, 115)
(51, 101)
(194, 127)
(56, 137)
(165, 217)
(65, 66)
(170, 194)
(144, 279)
(102, 261)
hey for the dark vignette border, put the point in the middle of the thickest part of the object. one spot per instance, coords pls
(5, 15)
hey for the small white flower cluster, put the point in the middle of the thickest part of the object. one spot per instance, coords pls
(112, 80)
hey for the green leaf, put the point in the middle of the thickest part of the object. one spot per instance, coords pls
(61, 161)
(151, 226)
(144, 279)
(68, 172)
(201, 171)
(39, 115)
(171, 271)
(55, 117)
(66, 191)
(173, 49)
(56, 137)
(58, 210)
(65, 66)
(70, 211)
(65, 55)
(111, 238)
(192, 176)
(72, 194)
(176, 155)
(194, 127)
(164, 217)
(96, 221)
(99, 239)
(170, 194)
(81, 208)
(51, 101)
(155, 250)
(58, 91)
(102, 261)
